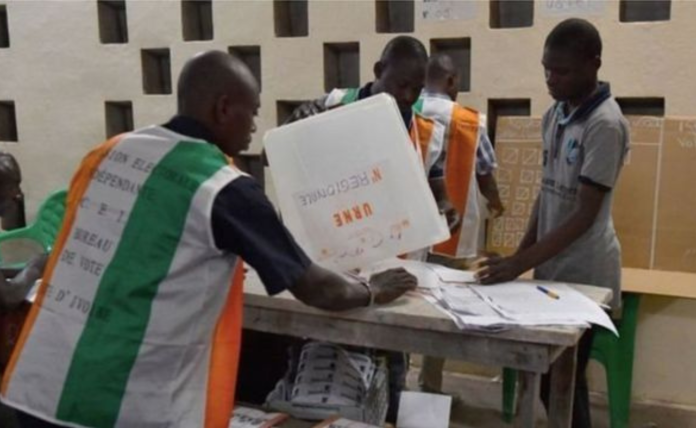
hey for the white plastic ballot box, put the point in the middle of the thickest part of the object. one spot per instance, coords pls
(351, 186)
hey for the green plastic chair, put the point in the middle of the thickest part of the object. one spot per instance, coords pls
(614, 353)
(45, 227)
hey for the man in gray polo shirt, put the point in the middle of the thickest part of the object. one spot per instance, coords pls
(571, 236)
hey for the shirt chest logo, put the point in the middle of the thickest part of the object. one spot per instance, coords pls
(572, 151)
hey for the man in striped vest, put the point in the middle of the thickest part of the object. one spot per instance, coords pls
(468, 162)
(467, 157)
(138, 320)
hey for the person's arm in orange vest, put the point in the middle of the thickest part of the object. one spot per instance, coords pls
(437, 186)
(489, 190)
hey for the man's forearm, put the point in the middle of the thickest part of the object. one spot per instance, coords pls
(327, 290)
(349, 295)
(489, 188)
(589, 202)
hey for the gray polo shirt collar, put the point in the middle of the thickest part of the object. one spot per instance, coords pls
(602, 93)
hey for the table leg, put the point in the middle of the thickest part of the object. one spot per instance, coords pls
(562, 389)
(529, 393)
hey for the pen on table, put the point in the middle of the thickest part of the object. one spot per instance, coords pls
(548, 292)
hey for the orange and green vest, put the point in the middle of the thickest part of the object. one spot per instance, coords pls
(138, 319)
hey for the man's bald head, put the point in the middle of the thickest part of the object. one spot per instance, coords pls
(220, 92)
(442, 75)
(440, 67)
(210, 74)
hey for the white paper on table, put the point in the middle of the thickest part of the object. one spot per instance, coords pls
(522, 301)
(419, 410)
(469, 322)
(431, 274)
(480, 315)
(351, 188)
(463, 300)
(454, 275)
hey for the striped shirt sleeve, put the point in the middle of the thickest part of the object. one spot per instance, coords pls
(486, 161)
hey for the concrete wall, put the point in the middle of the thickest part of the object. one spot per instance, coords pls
(59, 75)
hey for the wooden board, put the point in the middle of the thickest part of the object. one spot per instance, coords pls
(675, 243)
(634, 198)
(655, 198)
(659, 283)
(518, 148)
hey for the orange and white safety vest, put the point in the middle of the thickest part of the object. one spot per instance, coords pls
(139, 317)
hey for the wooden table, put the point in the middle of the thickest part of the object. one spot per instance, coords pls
(413, 325)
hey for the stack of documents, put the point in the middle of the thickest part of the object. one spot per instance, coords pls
(501, 306)
(328, 374)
